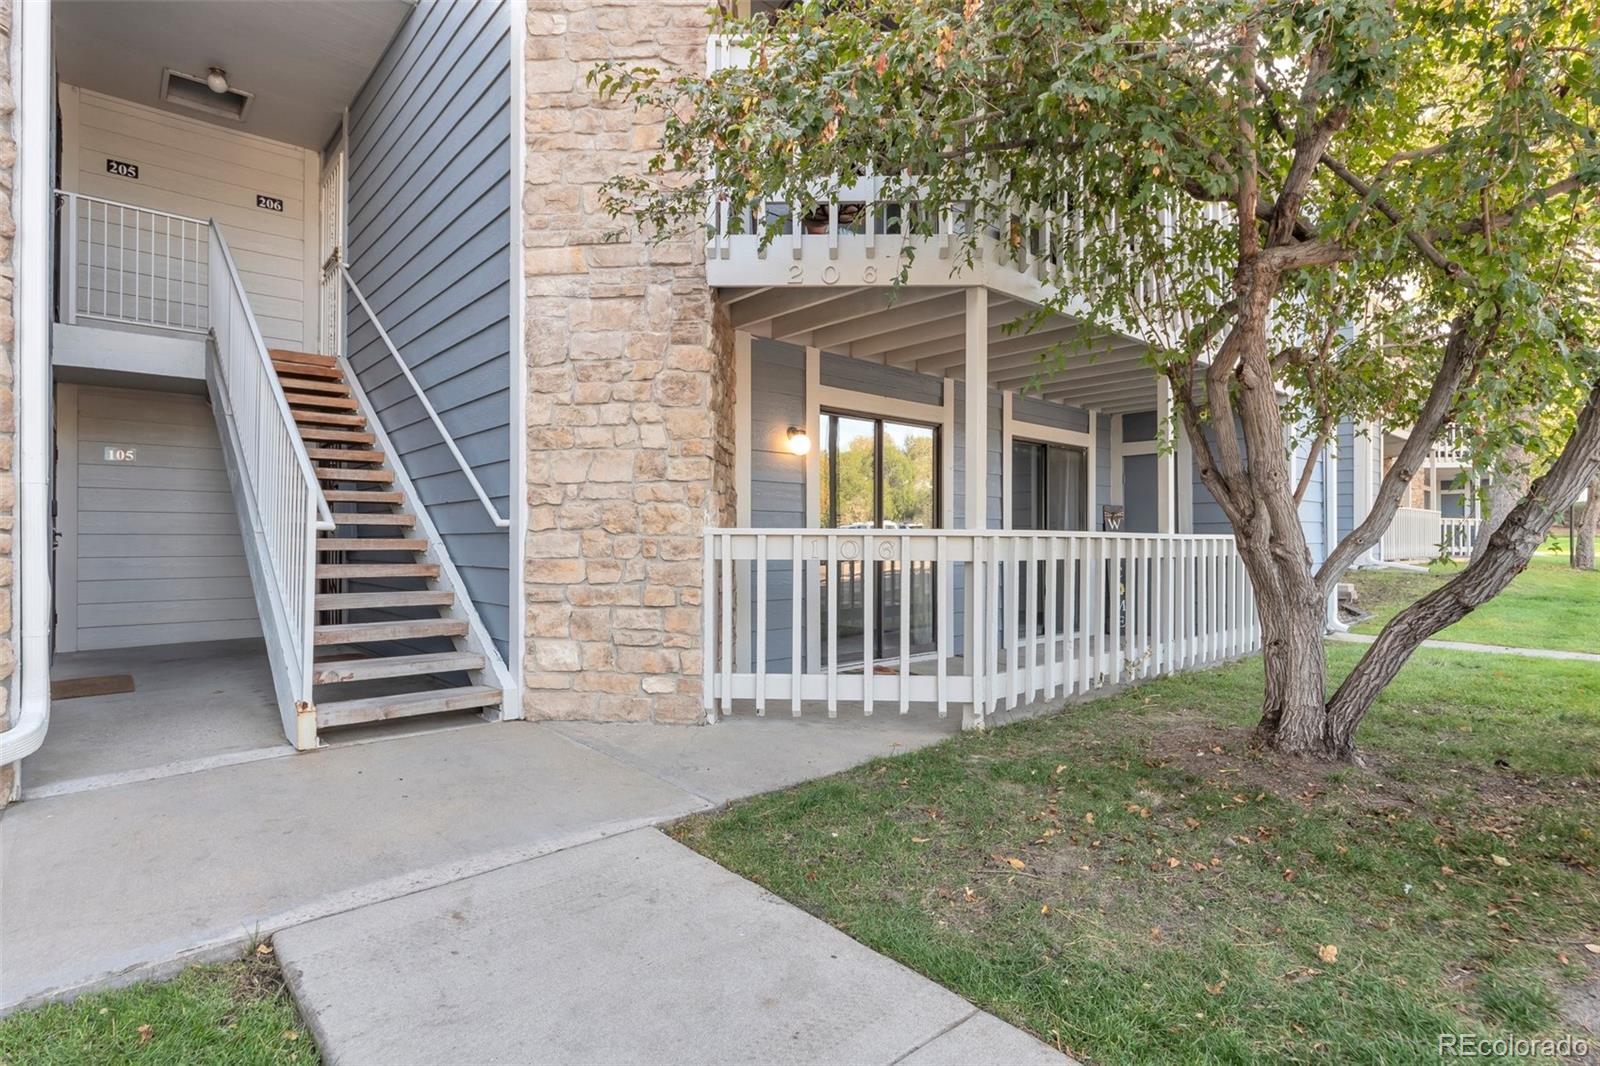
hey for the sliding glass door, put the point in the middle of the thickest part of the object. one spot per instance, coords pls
(879, 474)
(1049, 491)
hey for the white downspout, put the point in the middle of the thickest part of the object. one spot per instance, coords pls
(30, 704)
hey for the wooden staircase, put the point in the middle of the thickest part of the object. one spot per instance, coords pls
(367, 640)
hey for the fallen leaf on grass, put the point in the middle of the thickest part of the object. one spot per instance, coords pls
(1174, 863)
(1593, 949)
(1500, 860)
(1328, 953)
(1216, 989)
(1044, 908)
(146, 1033)
(1015, 864)
(1088, 818)
(920, 840)
(263, 948)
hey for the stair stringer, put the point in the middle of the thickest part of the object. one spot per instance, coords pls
(298, 715)
(477, 637)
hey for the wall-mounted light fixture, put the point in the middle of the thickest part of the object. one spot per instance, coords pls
(799, 441)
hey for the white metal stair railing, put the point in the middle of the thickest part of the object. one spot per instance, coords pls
(281, 504)
(1101, 609)
(133, 265)
(499, 520)
(1413, 533)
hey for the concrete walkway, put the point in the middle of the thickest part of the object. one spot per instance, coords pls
(630, 950)
(1492, 649)
(498, 824)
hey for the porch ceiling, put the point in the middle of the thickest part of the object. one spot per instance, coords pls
(924, 329)
(304, 62)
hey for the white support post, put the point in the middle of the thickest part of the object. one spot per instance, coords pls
(1166, 461)
(743, 636)
(813, 492)
(1330, 517)
(1006, 486)
(1092, 475)
(977, 481)
(1183, 474)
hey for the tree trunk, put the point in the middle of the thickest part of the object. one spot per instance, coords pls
(1293, 705)
(1505, 554)
(1583, 554)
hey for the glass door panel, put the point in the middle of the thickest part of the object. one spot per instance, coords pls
(879, 474)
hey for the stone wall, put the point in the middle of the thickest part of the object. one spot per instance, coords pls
(630, 390)
(8, 406)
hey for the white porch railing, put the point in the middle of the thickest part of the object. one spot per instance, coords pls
(121, 263)
(1414, 533)
(1459, 535)
(1062, 614)
(281, 504)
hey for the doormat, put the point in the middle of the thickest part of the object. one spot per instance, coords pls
(71, 688)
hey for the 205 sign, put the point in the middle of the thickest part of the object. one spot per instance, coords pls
(122, 170)
(269, 203)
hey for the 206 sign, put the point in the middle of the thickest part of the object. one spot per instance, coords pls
(831, 275)
(269, 203)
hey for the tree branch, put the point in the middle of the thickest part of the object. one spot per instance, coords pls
(1461, 355)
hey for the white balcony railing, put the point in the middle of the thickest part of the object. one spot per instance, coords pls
(1459, 536)
(121, 263)
(1063, 614)
(859, 238)
(1414, 533)
(1453, 447)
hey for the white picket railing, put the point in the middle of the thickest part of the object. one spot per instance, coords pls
(1063, 614)
(121, 263)
(1459, 535)
(281, 502)
(1414, 533)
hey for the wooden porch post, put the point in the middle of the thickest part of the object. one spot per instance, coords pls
(976, 514)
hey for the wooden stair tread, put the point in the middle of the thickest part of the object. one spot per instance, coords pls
(331, 571)
(342, 436)
(326, 418)
(406, 704)
(348, 455)
(289, 355)
(333, 673)
(331, 388)
(363, 496)
(359, 601)
(371, 544)
(307, 370)
(333, 473)
(407, 629)
(312, 399)
(359, 518)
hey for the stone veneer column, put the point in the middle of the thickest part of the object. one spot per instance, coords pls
(8, 411)
(630, 390)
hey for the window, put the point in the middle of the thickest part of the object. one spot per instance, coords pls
(879, 474)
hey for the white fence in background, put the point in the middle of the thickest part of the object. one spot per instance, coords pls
(282, 508)
(1454, 446)
(1062, 614)
(1414, 533)
(121, 263)
(1459, 535)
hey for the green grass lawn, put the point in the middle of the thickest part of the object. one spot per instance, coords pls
(1129, 882)
(1549, 605)
(230, 1014)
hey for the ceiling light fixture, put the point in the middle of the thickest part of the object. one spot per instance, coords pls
(217, 80)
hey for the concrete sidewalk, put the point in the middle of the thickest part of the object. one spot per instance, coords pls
(118, 884)
(633, 949)
(1488, 649)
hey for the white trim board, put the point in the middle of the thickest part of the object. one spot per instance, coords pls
(517, 535)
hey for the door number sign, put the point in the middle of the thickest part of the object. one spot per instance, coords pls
(269, 203)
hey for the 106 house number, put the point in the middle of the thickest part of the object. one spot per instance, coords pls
(831, 275)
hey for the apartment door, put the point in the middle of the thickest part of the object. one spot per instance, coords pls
(1049, 491)
(879, 474)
